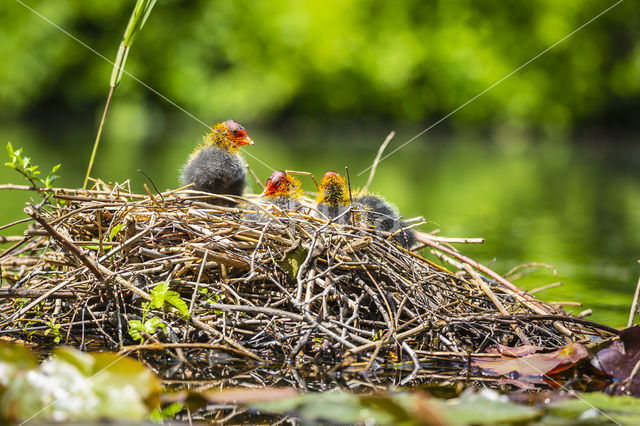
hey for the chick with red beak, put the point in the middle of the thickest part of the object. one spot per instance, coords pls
(216, 166)
(283, 190)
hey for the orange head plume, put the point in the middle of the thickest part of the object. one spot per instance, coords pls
(229, 135)
(281, 184)
(333, 190)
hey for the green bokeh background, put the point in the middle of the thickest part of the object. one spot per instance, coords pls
(544, 165)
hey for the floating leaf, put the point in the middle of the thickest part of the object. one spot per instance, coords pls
(331, 407)
(14, 358)
(620, 359)
(536, 364)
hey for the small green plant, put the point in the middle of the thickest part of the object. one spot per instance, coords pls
(112, 234)
(138, 329)
(39, 308)
(23, 165)
(161, 296)
(53, 329)
(25, 326)
(20, 302)
(159, 415)
(215, 298)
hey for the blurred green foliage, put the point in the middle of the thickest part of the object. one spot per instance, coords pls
(264, 60)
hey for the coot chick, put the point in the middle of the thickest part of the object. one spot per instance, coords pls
(216, 167)
(333, 197)
(283, 190)
(374, 212)
(368, 211)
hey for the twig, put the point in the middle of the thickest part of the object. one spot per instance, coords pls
(534, 303)
(153, 184)
(545, 287)
(533, 265)
(485, 288)
(65, 242)
(634, 305)
(351, 217)
(374, 166)
(195, 292)
(255, 177)
(308, 174)
(449, 239)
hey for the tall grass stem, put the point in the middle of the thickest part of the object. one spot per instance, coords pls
(136, 22)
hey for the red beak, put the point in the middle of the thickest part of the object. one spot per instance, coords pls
(268, 189)
(245, 141)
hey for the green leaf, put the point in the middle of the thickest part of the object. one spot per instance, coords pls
(122, 371)
(152, 323)
(158, 294)
(115, 230)
(80, 360)
(97, 246)
(292, 261)
(134, 27)
(328, 407)
(138, 19)
(135, 327)
(174, 299)
(485, 407)
(18, 158)
(599, 407)
(169, 412)
(99, 386)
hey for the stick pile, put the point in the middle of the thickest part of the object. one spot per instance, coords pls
(260, 284)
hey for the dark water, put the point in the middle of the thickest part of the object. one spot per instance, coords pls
(573, 204)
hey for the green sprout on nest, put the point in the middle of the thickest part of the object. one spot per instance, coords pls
(31, 172)
(53, 329)
(161, 296)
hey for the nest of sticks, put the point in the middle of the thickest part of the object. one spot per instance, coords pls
(267, 286)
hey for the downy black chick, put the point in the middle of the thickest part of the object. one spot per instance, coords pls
(216, 167)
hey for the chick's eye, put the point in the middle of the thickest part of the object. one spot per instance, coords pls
(235, 132)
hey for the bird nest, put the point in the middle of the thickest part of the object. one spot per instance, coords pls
(97, 268)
